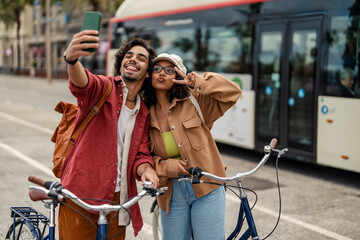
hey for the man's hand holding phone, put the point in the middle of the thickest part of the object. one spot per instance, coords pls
(86, 39)
(85, 42)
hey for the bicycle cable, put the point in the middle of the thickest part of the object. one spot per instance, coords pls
(237, 195)
(279, 193)
(113, 217)
(244, 188)
(111, 220)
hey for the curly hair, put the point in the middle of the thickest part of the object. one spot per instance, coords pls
(126, 46)
(176, 91)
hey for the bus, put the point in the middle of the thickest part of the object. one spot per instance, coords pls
(297, 62)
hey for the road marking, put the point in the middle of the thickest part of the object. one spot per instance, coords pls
(27, 159)
(26, 123)
(147, 228)
(300, 223)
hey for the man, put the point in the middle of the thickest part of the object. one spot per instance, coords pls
(346, 82)
(113, 150)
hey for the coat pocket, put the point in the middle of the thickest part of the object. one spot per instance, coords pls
(195, 132)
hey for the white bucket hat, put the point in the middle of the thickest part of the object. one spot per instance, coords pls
(173, 58)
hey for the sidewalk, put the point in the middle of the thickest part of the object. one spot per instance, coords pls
(34, 91)
(24, 78)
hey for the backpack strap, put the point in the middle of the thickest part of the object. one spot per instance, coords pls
(93, 111)
(196, 105)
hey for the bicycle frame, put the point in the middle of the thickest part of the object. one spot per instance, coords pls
(244, 209)
(31, 218)
(102, 227)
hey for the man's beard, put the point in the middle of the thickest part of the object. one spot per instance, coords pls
(132, 78)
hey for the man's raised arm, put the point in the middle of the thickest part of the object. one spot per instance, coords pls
(75, 50)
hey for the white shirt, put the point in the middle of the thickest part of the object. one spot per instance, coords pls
(126, 123)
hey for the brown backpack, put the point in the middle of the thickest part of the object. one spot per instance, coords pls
(64, 136)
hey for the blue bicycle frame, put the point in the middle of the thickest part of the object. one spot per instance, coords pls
(30, 218)
(102, 227)
(244, 209)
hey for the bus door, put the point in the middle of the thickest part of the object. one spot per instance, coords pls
(286, 76)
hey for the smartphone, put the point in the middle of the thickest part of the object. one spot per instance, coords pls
(91, 21)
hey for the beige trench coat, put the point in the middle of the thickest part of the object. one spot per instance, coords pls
(215, 95)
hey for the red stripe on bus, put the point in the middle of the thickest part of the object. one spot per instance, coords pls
(188, 9)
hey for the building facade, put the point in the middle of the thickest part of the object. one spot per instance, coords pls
(33, 39)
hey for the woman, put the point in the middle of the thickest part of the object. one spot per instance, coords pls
(180, 139)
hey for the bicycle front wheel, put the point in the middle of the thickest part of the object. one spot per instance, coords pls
(22, 231)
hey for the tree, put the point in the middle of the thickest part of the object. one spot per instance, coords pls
(107, 5)
(14, 8)
(7, 18)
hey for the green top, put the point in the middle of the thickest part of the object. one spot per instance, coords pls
(170, 145)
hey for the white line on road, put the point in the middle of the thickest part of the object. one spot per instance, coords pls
(27, 159)
(292, 220)
(26, 123)
(147, 228)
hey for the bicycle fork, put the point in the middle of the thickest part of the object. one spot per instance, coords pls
(244, 209)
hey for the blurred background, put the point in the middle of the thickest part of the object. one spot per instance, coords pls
(26, 26)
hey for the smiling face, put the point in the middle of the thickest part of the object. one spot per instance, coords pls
(135, 64)
(162, 80)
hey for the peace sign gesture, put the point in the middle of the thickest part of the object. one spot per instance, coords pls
(189, 79)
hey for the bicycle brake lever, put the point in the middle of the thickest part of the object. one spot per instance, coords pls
(159, 192)
(184, 179)
(280, 152)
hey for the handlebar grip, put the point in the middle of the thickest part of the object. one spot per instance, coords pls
(37, 180)
(43, 183)
(273, 142)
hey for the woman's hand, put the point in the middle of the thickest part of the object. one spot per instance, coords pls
(189, 79)
(147, 173)
(181, 168)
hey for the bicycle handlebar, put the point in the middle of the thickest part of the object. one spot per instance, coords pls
(56, 191)
(197, 172)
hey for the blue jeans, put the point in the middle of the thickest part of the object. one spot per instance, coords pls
(204, 216)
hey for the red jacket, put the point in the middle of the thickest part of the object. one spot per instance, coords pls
(90, 169)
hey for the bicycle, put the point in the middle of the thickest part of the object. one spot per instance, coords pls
(29, 223)
(245, 209)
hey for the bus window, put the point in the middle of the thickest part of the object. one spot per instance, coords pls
(180, 42)
(227, 49)
(117, 35)
(342, 78)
